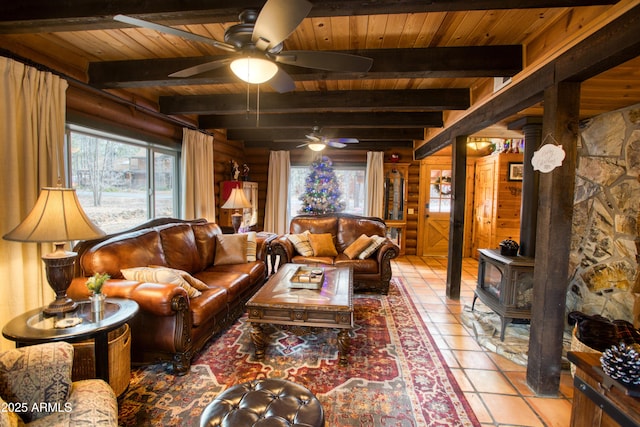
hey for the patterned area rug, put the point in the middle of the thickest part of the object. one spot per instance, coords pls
(395, 377)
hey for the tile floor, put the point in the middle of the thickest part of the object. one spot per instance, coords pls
(495, 387)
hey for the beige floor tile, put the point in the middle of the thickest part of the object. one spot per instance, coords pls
(452, 329)
(449, 358)
(519, 381)
(462, 380)
(505, 364)
(461, 342)
(479, 409)
(554, 412)
(474, 360)
(510, 410)
(490, 382)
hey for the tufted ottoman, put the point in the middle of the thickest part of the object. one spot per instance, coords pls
(264, 403)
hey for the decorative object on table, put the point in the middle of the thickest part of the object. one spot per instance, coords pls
(245, 172)
(394, 158)
(622, 363)
(307, 278)
(237, 200)
(57, 217)
(235, 170)
(509, 247)
(97, 298)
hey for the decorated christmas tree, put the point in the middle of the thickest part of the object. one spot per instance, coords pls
(322, 190)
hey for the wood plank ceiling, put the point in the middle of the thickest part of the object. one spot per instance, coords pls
(431, 59)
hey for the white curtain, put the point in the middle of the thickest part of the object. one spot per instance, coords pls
(198, 200)
(276, 209)
(32, 117)
(374, 203)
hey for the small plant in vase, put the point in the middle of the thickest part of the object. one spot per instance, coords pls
(94, 284)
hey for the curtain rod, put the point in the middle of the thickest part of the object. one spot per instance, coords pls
(72, 80)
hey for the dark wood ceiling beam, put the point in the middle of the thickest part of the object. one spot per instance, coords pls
(333, 101)
(612, 45)
(294, 135)
(308, 120)
(363, 145)
(434, 62)
(28, 16)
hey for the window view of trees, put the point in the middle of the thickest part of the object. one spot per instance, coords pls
(112, 180)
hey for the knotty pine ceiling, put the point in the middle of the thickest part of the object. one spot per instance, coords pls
(426, 54)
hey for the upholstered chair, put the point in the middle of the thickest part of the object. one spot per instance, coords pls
(36, 390)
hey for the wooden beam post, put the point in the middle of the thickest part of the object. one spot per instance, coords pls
(553, 237)
(456, 225)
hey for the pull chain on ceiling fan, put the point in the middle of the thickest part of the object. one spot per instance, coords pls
(257, 44)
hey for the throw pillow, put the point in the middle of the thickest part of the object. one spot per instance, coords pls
(301, 243)
(322, 244)
(231, 249)
(252, 247)
(376, 242)
(196, 283)
(359, 245)
(159, 275)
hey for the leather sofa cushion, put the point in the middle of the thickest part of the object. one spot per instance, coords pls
(125, 251)
(207, 305)
(315, 225)
(369, 265)
(179, 246)
(205, 235)
(256, 270)
(349, 229)
(234, 282)
(325, 260)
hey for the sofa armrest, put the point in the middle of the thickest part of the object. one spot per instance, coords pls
(388, 251)
(282, 246)
(263, 241)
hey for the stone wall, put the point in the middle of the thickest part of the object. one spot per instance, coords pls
(603, 266)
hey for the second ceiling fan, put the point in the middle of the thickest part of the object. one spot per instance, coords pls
(318, 142)
(257, 44)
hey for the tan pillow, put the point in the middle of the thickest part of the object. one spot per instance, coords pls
(301, 243)
(376, 242)
(359, 245)
(160, 275)
(231, 249)
(252, 246)
(196, 283)
(322, 244)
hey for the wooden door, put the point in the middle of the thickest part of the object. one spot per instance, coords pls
(483, 206)
(436, 209)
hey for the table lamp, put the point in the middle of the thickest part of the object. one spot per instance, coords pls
(57, 217)
(237, 200)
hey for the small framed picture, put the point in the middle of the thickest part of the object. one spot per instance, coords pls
(515, 171)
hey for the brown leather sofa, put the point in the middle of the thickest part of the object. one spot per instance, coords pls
(170, 326)
(370, 274)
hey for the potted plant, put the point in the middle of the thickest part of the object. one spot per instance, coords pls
(94, 284)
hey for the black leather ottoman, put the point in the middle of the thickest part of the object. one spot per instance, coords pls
(264, 403)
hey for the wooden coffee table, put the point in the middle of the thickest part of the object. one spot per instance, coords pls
(301, 311)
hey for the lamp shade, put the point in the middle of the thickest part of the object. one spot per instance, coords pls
(253, 70)
(317, 146)
(236, 200)
(56, 217)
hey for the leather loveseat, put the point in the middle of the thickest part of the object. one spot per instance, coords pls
(171, 325)
(370, 273)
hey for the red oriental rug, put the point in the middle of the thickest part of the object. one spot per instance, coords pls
(395, 377)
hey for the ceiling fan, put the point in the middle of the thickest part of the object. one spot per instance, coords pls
(257, 44)
(317, 142)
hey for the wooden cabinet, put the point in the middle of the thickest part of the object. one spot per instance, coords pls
(497, 200)
(396, 177)
(250, 215)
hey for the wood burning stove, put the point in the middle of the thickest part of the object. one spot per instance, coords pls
(505, 284)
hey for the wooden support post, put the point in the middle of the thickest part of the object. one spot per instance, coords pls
(553, 237)
(456, 225)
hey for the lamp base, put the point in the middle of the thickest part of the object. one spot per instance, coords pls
(59, 269)
(236, 221)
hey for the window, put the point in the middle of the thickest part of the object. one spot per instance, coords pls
(440, 191)
(117, 184)
(352, 185)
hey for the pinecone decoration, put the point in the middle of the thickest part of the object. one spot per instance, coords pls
(622, 363)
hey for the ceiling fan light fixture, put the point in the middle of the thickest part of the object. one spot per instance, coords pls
(254, 70)
(317, 146)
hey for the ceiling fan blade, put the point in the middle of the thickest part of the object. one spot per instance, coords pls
(282, 82)
(328, 61)
(313, 138)
(344, 140)
(173, 31)
(278, 19)
(335, 144)
(201, 68)
(302, 145)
